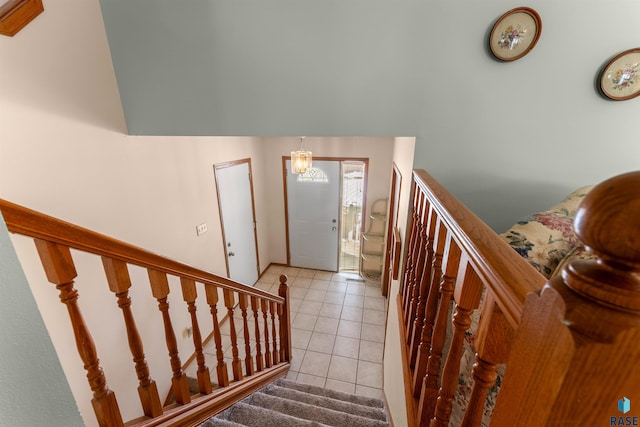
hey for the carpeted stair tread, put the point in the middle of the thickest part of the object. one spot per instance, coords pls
(311, 412)
(219, 422)
(325, 402)
(333, 394)
(286, 403)
(248, 415)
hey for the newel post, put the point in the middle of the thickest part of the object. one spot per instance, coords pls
(576, 352)
(285, 318)
(60, 270)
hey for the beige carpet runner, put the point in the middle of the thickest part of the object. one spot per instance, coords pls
(287, 403)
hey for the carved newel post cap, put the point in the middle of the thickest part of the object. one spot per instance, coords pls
(608, 223)
(608, 220)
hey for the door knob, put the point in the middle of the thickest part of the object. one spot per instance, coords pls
(333, 228)
(232, 253)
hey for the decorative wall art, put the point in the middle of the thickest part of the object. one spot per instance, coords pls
(515, 34)
(620, 79)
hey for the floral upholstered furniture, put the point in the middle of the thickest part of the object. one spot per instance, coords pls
(548, 242)
(545, 239)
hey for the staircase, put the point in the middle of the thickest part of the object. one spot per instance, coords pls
(286, 403)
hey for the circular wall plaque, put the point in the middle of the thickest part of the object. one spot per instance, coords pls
(515, 34)
(620, 79)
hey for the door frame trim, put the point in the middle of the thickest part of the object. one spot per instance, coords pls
(364, 160)
(224, 165)
(392, 222)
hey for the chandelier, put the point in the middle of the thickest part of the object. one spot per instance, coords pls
(300, 159)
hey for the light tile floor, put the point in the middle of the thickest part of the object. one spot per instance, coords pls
(337, 327)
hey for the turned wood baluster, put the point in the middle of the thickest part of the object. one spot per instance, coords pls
(211, 292)
(493, 342)
(274, 337)
(285, 319)
(411, 242)
(420, 354)
(418, 273)
(413, 248)
(431, 306)
(264, 305)
(255, 306)
(280, 312)
(429, 383)
(189, 294)
(467, 295)
(236, 363)
(119, 283)
(60, 270)
(160, 291)
(429, 285)
(248, 360)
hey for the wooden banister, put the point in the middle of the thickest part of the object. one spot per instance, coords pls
(60, 270)
(495, 261)
(570, 346)
(54, 240)
(27, 222)
(444, 235)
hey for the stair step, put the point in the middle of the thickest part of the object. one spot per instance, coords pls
(219, 422)
(333, 394)
(252, 416)
(286, 403)
(308, 412)
(326, 402)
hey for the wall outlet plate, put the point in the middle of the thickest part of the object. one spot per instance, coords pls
(201, 229)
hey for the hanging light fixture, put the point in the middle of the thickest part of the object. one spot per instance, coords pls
(301, 159)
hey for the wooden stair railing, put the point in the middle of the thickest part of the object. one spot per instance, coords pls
(271, 331)
(455, 264)
(452, 257)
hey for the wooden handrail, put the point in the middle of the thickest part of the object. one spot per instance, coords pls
(452, 256)
(54, 240)
(495, 261)
(21, 220)
(570, 343)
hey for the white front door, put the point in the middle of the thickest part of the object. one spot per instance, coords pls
(235, 199)
(313, 201)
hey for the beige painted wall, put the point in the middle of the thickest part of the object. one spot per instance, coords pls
(64, 151)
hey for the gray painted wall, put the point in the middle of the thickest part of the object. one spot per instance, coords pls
(506, 138)
(34, 390)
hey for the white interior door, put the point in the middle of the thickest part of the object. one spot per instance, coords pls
(313, 201)
(238, 223)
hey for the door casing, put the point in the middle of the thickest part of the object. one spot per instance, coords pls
(286, 201)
